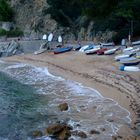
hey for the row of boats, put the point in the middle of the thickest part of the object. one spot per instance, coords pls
(129, 58)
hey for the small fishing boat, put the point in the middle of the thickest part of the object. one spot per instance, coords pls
(111, 44)
(129, 68)
(110, 51)
(92, 51)
(62, 50)
(136, 43)
(118, 57)
(101, 51)
(130, 62)
(82, 49)
(128, 49)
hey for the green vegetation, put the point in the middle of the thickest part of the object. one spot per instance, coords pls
(12, 33)
(119, 16)
(6, 12)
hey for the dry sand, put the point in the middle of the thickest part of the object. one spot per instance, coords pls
(99, 72)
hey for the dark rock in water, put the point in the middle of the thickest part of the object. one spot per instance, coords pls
(55, 128)
(63, 106)
(79, 134)
(37, 133)
(94, 132)
(61, 131)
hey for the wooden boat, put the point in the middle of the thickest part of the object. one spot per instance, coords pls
(101, 51)
(92, 51)
(129, 68)
(110, 51)
(62, 50)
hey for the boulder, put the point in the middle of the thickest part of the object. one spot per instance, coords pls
(37, 133)
(63, 107)
(79, 134)
(60, 131)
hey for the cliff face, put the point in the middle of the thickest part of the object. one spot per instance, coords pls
(31, 17)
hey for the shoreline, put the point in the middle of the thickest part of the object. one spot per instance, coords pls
(100, 75)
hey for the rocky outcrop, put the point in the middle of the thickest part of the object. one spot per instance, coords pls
(31, 17)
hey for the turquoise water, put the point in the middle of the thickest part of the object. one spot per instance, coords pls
(29, 97)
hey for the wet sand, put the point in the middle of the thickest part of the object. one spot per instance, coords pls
(99, 72)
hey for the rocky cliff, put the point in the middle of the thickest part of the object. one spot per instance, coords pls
(31, 17)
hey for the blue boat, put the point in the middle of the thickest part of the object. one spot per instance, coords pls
(62, 50)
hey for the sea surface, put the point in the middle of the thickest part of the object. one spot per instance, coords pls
(29, 99)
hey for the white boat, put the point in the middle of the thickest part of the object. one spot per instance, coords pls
(118, 57)
(91, 51)
(136, 43)
(129, 68)
(82, 49)
(128, 49)
(107, 44)
(110, 51)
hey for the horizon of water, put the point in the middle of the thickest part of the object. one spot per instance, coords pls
(29, 99)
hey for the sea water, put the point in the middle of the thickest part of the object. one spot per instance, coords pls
(29, 99)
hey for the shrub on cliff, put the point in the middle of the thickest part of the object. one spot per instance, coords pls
(6, 12)
(12, 33)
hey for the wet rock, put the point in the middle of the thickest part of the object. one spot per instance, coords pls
(64, 135)
(55, 128)
(61, 131)
(37, 133)
(63, 107)
(102, 129)
(79, 134)
(94, 132)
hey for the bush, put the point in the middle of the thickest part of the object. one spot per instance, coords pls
(2, 32)
(6, 12)
(12, 33)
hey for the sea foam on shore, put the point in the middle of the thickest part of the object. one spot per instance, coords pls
(87, 107)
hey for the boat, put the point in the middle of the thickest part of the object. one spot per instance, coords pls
(129, 68)
(122, 56)
(101, 51)
(92, 51)
(128, 49)
(40, 51)
(82, 49)
(111, 44)
(110, 51)
(77, 48)
(130, 62)
(136, 43)
(62, 50)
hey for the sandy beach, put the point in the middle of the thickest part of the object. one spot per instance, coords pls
(99, 72)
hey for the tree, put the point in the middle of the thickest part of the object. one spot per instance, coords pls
(6, 12)
(66, 13)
